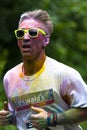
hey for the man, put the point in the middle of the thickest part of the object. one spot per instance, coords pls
(42, 92)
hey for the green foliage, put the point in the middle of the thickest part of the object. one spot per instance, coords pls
(10, 127)
(68, 42)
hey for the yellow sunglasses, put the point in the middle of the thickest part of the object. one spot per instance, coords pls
(32, 32)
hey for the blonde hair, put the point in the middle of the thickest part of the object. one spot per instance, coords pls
(40, 15)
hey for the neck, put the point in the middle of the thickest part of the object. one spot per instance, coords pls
(31, 66)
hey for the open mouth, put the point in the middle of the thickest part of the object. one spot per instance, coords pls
(25, 46)
(26, 49)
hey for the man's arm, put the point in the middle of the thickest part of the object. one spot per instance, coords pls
(72, 116)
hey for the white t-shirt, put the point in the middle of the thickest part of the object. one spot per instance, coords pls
(55, 87)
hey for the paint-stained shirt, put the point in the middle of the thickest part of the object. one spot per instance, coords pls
(55, 87)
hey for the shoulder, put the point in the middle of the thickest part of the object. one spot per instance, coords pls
(61, 68)
(58, 65)
(13, 71)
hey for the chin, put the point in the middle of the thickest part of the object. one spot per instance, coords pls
(25, 56)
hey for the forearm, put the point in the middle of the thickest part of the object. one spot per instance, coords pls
(72, 116)
(45, 119)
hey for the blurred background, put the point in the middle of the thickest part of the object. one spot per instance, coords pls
(68, 42)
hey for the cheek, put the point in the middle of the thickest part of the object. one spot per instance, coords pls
(19, 43)
(38, 43)
(39, 39)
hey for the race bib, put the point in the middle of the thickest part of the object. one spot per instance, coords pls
(36, 99)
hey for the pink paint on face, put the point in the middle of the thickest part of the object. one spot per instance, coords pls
(31, 47)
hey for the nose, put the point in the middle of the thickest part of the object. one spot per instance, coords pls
(26, 36)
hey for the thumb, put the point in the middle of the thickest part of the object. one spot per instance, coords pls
(36, 109)
(5, 105)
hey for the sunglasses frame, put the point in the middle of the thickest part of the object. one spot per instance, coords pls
(27, 31)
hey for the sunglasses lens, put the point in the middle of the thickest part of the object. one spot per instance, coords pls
(20, 33)
(33, 33)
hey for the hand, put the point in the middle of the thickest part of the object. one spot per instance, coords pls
(39, 120)
(5, 116)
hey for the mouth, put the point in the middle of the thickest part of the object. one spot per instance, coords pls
(26, 48)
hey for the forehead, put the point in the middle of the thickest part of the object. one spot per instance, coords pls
(31, 23)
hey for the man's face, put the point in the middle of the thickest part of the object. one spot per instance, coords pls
(31, 47)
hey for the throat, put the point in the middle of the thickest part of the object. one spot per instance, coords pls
(31, 67)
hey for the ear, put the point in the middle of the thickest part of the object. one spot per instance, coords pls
(46, 40)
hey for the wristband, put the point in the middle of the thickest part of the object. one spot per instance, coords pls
(49, 118)
(52, 119)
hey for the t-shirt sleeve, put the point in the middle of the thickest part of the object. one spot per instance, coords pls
(5, 83)
(74, 87)
(6, 88)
